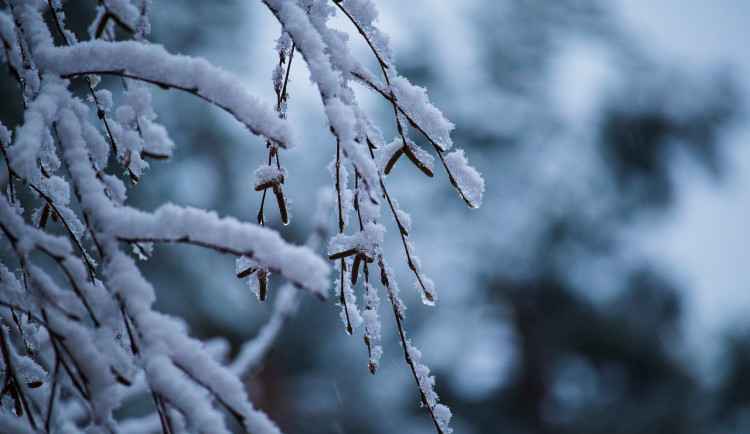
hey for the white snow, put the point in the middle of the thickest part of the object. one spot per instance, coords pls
(469, 181)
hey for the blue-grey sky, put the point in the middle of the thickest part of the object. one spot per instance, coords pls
(705, 240)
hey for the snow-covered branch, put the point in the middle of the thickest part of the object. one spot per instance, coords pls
(79, 334)
(153, 64)
(172, 224)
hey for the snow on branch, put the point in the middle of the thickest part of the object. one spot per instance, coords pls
(173, 224)
(341, 109)
(435, 129)
(153, 64)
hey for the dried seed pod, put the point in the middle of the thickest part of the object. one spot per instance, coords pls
(355, 268)
(146, 154)
(393, 160)
(34, 384)
(101, 26)
(265, 185)
(262, 283)
(417, 162)
(120, 378)
(370, 365)
(282, 203)
(246, 272)
(343, 254)
(45, 216)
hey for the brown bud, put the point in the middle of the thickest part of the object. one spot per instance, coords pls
(45, 216)
(262, 283)
(409, 153)
(282, 203)
(343, 254)
(355, 268)
(246, 272)
(392, 161)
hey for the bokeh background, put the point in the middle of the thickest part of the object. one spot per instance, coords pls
(604, 284)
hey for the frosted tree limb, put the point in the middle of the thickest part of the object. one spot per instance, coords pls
(153, 64)
(173, 224)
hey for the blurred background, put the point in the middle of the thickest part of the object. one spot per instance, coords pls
(604, 284)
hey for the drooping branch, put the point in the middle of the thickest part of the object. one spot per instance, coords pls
(286, 54)
(473, 199)
(153, 64)
(344, 115)
(89, 78)
(173, 224)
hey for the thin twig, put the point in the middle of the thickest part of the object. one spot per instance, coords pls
(90, 84)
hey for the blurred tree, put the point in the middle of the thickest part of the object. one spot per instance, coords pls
(581, 140)
(586, 368)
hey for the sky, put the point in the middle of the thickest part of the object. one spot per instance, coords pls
(704, 241)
